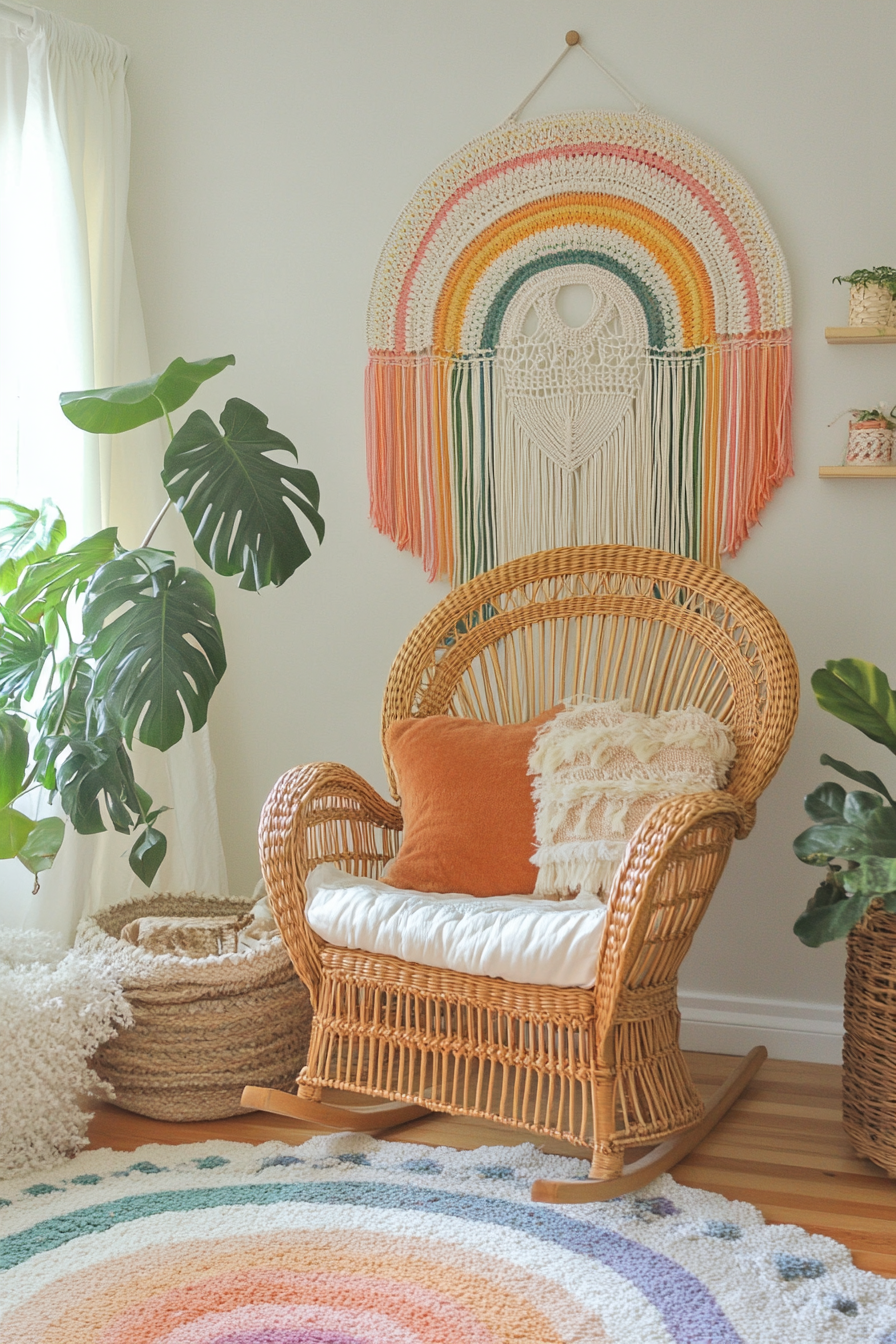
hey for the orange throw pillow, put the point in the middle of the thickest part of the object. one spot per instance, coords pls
(466, 798)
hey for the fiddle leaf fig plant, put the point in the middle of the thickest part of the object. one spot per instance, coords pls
(100, 644)
(853, 835)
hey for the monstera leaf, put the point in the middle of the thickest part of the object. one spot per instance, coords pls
(151, 651)
(162, 653)
(42, 845)
(96, 766)
(859, 693)
(112, 410)
(100, 766)
(15, 828)
(147, 853)
(63, 716)
(13, 756)
(63, 709)
(50, 583)
(23, 654)
(237, 500)
(26, 536)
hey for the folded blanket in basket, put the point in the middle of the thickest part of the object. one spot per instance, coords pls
(200, 935)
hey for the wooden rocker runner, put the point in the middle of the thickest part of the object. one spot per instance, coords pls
(600, 1068)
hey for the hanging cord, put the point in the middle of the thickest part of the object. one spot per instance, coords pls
(636, 102)
(573, 40)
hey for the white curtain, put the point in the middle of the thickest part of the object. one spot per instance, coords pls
(70, 318)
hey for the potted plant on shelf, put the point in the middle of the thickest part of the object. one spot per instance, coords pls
(853, 836)
(872, 296)
(871, 435)
(99, 643)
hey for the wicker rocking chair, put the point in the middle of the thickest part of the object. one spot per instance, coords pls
(600, 1068)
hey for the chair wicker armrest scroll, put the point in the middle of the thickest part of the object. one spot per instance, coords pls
(661, 891)
(320, 813)
(672, 864)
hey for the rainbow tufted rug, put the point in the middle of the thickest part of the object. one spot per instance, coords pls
(346, 1240)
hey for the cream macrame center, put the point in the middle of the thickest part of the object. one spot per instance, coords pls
(569, 388)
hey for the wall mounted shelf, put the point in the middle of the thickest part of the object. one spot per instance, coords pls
(860, 335)
(854, 469)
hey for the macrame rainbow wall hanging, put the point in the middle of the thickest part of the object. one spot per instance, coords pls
(495, 429)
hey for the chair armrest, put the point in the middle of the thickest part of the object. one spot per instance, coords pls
(661, 890)
(320, 813)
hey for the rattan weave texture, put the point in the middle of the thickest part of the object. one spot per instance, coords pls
(869, 1043)
(601, 1068)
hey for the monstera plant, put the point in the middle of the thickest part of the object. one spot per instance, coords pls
(99, 644)
(853, 835)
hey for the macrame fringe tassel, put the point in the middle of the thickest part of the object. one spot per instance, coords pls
(722, 441)
(473, 415)
(457, 481)
(677, 432)
(540, 504)
(748, 434)
(577, 867)
(409, 456)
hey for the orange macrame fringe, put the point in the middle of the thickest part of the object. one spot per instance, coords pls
(732, 446)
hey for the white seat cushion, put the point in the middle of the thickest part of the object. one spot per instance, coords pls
(517, 938)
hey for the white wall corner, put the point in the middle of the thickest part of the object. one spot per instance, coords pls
(732, 1025)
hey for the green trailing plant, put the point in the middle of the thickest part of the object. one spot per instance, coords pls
(100, 644)
(885, 276)
(853, 835)
(875, 413)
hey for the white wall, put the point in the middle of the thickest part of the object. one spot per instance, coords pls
(274, 143)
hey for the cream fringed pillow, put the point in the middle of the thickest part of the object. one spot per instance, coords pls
(599, 768)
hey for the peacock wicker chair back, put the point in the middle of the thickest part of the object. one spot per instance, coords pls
(607, 622)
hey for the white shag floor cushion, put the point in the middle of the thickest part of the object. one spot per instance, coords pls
(57, 1006)
(520, 938)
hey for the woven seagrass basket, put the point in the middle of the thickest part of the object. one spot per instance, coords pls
(871, 306)
(869, 1046)
(203, 1028)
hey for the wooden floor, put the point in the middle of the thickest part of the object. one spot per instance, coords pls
(781, 1147)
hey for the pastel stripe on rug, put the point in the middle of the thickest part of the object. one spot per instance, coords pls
(345, 1240)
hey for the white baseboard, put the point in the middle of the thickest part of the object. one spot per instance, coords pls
(729, 1025)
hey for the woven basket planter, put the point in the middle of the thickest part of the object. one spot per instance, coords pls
(870, 442)
(203, 1028)
(871, 306)
(869, 1046)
